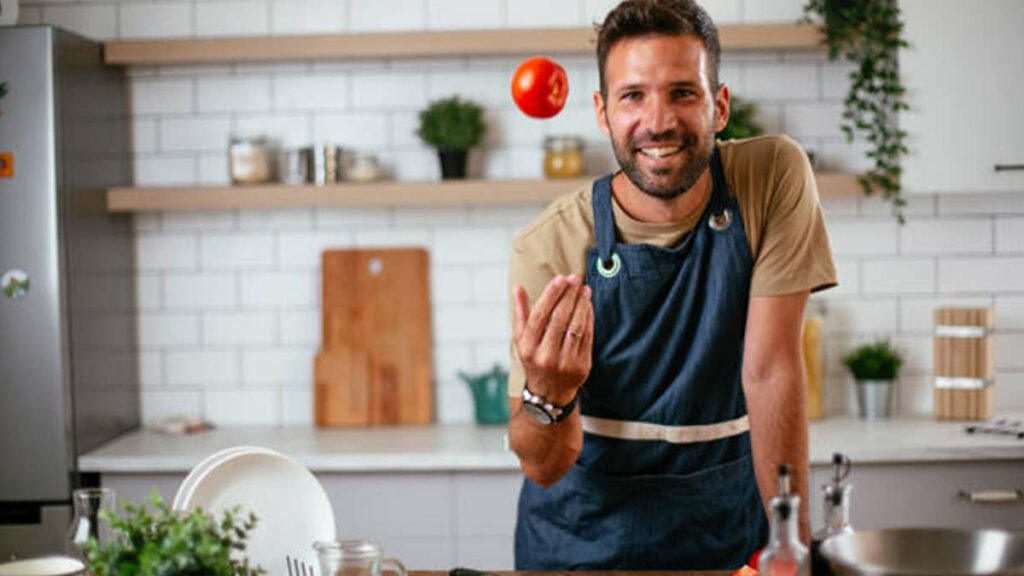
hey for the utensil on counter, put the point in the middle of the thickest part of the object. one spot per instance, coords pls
(926, 552)
(291, 505)
(374, 366)
(297, 567)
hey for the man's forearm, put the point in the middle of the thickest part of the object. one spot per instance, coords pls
(778, 435)
(545, 453)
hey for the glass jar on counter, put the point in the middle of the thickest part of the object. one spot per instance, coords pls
(563, 156)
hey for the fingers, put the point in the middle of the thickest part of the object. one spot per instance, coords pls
(579, 328)
(558, 323)
(520, 311)
(537, 319)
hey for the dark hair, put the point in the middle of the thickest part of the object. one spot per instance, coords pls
(634, 18)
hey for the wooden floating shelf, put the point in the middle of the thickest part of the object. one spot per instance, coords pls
(450, 193)
(423, 44)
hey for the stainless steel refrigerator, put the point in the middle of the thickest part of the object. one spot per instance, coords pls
(68, 364)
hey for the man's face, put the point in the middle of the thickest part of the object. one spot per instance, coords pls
(660, 111)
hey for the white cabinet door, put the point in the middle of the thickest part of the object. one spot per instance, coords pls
(964, 72)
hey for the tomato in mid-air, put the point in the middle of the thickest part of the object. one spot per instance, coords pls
(540, 87)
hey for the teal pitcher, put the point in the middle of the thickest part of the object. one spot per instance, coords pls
(490, 394)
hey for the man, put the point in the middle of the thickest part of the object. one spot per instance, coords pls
(656, 378)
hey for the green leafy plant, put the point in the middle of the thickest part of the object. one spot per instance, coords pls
(168, 543)
(875, 361)
(741, 120)
(452, 124)
(868, 33)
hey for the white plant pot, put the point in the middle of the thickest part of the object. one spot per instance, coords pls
(874, 399)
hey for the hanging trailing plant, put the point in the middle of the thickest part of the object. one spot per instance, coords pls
(868, 33)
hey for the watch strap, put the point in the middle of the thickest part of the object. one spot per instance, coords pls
(556, 412)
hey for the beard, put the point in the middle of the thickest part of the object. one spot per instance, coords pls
(671, 182)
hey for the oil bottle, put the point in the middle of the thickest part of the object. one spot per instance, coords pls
(784, 555)
(836, 513)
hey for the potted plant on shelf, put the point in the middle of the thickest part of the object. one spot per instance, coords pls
(741, 122)
(868, 33)
(875, 368)
(169, 542)
(452, 126)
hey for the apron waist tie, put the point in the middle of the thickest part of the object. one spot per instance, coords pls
(631, 430)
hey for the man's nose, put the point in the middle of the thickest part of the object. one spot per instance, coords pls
(659, 116)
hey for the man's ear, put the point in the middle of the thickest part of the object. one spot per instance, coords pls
(721, 108)
(601, 113)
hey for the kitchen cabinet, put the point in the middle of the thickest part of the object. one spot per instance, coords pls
(428, 520)
(964, 77)
(927, 494)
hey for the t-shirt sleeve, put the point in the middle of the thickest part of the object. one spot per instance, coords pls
(531, 269)
(794, 253)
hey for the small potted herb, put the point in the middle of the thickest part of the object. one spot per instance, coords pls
(452, 126)
(741, 121)
(169, 542)
(875, 367)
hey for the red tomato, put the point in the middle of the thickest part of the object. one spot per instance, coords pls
(540, 87)
(753, 559)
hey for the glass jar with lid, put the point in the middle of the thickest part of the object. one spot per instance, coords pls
(563, 156)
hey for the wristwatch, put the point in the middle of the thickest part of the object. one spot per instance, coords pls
(544, 411)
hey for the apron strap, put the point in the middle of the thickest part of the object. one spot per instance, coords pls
(719, 194)
(604, 219)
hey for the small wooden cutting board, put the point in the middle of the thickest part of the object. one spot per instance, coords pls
(374, 365)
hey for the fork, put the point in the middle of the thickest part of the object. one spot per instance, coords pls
(298, 567)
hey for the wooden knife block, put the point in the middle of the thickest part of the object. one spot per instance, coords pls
(964, 369)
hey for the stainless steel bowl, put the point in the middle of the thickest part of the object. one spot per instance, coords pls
(926, 552)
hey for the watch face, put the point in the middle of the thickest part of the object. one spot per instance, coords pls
(538, 413)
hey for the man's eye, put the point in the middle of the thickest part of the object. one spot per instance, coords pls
(683, 93)
(631, 96)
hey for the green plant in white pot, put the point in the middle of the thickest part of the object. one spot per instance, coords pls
(875, 368)
(452, 126)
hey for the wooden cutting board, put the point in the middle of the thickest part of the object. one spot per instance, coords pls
(374, 367)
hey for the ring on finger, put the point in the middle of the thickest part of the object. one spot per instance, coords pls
(573, 334)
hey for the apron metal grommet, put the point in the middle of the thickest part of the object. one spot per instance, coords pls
(720, 221)
(611, 270)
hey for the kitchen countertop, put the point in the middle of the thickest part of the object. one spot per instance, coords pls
(467, 447)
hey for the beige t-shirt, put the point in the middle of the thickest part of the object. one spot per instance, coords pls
(775, 188)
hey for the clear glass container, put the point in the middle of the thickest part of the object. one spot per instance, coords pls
(87, 523)
(563, 156)
(250, 160)
(836, 513)
(355, 558)
(784, 555)
(361, 167)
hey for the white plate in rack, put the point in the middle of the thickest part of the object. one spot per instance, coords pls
(291, 505)
(186, 485)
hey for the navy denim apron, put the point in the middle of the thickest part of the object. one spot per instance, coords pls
(668, 350)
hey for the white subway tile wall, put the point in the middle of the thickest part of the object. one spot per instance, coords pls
(228, 302)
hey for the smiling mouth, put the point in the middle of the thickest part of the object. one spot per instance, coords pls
(660, 152)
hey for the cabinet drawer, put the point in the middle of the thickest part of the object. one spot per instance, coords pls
(928, 494)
